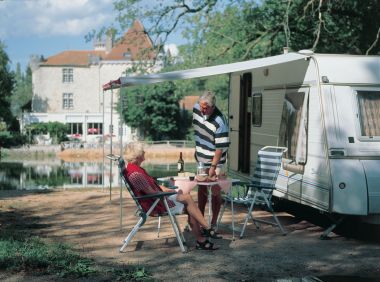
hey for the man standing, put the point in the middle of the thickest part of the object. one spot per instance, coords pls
(211, 145)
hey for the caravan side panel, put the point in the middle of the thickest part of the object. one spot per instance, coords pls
(349, 187)
(316, 184)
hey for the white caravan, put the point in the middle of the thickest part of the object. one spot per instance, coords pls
(324, 108)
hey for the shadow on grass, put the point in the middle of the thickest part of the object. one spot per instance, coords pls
(23, 251)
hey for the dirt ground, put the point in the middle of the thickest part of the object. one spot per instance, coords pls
(91, 221)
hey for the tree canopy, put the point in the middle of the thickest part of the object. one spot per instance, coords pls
(6, 87)
(22, 93)
(225, 31)
(154, 110)
(246, 29)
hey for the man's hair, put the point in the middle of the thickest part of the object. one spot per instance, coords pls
(133, 150)
(208, 97)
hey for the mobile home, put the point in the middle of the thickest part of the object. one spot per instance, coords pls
(324, 108)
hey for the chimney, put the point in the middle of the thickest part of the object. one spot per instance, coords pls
(34, 62)
(109, 42)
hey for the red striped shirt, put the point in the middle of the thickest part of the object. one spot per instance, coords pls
(143, 184)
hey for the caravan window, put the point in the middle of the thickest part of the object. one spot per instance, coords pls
(293, 127)
(257, 113)
(369, 112)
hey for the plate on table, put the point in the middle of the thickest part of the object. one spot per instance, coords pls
(181, 178)
(201, 177)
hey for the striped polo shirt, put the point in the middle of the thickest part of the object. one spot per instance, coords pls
(210, 134)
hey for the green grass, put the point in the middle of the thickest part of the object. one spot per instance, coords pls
(20, 251)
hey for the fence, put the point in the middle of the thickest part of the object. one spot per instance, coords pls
(174, 143)
(163, 143)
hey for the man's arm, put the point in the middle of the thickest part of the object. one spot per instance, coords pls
(215, 161)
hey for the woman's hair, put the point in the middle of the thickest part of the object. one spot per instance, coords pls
(209, 97)
(133, 150)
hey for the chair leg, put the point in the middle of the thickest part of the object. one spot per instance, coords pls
(132, 234)
(231, 200)
(233, 219)
(181, 233)
(249, 214)
(175, 227)
(159, 227)
(273, 214)
(221, 214)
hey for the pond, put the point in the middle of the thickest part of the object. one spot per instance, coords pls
(55, 173)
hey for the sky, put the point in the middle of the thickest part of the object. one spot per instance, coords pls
(48, 27)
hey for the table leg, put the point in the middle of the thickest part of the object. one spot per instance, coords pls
(209, 204)
(233, 216)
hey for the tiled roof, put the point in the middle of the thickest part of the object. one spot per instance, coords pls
(135, 41)
(133, 45)
(76, 58)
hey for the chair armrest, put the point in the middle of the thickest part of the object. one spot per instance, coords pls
(156, 195)
(242, 183)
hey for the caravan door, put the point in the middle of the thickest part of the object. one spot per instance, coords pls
(240, 122)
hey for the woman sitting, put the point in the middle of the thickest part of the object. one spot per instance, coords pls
(143, 184)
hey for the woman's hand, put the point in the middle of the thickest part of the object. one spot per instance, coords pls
(165, 189)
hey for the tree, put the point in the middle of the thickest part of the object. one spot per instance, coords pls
(154, 110)
(56, 130)
(247, 29)
(230, 31)
(6, 87)
(22, 94)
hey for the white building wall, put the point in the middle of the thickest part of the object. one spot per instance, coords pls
(88, 97)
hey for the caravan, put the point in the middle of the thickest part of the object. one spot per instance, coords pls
(324, 108)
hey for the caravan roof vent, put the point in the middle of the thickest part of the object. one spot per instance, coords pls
(306, 52)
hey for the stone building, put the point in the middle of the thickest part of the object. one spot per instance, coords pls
(67, 87)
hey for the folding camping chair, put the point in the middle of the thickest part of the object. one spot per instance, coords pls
(144, 214)
(259, 191)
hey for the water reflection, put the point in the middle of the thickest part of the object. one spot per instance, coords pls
(44, 174)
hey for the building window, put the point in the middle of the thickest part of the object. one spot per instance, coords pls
(94, 128)
(67, 75)
(257, 115)
(67, 101)
(95, 178)
(369, 113)
(75, 128)
(76, 178)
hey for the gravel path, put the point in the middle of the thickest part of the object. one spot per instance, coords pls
(91, 221)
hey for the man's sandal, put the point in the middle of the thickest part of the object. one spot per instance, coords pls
(211, 233)
(206, 245)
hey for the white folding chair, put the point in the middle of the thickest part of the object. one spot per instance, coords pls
(145, 214)
(263, 183)
(259, 190)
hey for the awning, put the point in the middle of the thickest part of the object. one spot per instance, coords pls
(126, 81)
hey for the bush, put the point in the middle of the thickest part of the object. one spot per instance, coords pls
(57, 130)
(9, 139)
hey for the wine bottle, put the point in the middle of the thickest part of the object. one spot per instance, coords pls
(180, 164)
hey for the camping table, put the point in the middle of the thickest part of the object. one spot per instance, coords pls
(186, 185)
